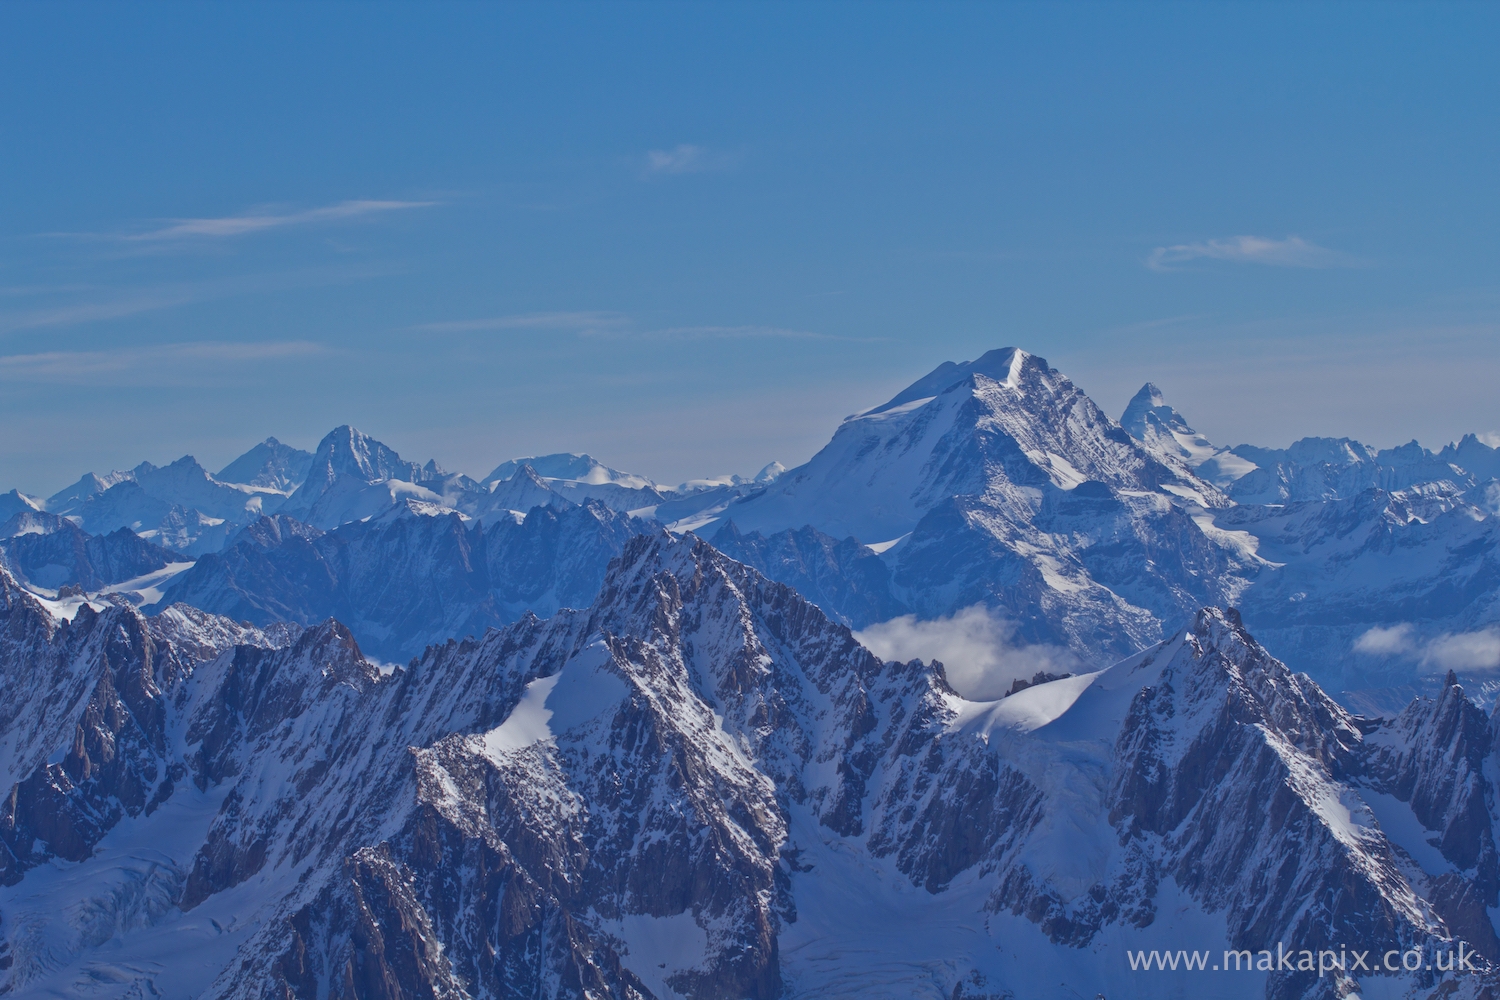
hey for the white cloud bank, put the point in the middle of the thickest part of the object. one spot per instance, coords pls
(1467, 651)
(1293, 251)
(976, 649)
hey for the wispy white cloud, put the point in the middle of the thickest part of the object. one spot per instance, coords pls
(106, 303)
(1293, 251)
(163, 363)
(614, 325)
(686, 159)
(739, 333)
(119, 307)
(575, 321)
(1464, 651)
(977, 649)
(1491, 438)
(256, 222)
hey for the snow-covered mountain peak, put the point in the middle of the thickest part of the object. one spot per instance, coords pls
(1000, 365)
(1475, 456)
(568, 466)
(1148, 407)
(87, 485)
(187, 482)
(15, 502)
(1006, 427)
(353, 476)
(346, 451)
(31, 522)
(271, 465)
(770, 473)
(1166, 433)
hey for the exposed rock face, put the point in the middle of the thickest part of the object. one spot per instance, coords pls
(84, 720)
(687, 789)
(847, 580)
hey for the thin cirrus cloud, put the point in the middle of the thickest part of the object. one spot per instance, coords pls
(685, 158)
(1293, 251)
(258, 222)
(577, 322)
(743, 333)
(91, 312)
(614, 325)
(107, 303)
(156, 364)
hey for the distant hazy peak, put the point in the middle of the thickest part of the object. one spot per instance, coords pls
(570, 466)
(1310, 451)
(15, 502)
(770, 473)
(1148, 405)
(346, 451)
(1166, 433)
(269, 464)
(87, 485)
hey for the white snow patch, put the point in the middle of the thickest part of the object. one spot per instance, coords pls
(150, 586)
(1402, 828)
(880, 548)
(659, 947)
(121, 902)
(1028, 709)
(577, 694)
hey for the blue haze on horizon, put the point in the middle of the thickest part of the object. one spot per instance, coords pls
(689, 238)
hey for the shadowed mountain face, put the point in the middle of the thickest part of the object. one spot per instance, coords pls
(270, 464)
(409, 578)
(701, 787)
(51, 552)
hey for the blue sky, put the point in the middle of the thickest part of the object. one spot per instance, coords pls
(689, 238)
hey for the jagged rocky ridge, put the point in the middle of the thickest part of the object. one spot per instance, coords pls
(700, 787)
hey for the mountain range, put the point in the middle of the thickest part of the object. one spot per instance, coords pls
(343, 724)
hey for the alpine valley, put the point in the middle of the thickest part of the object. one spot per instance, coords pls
(339, 724)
